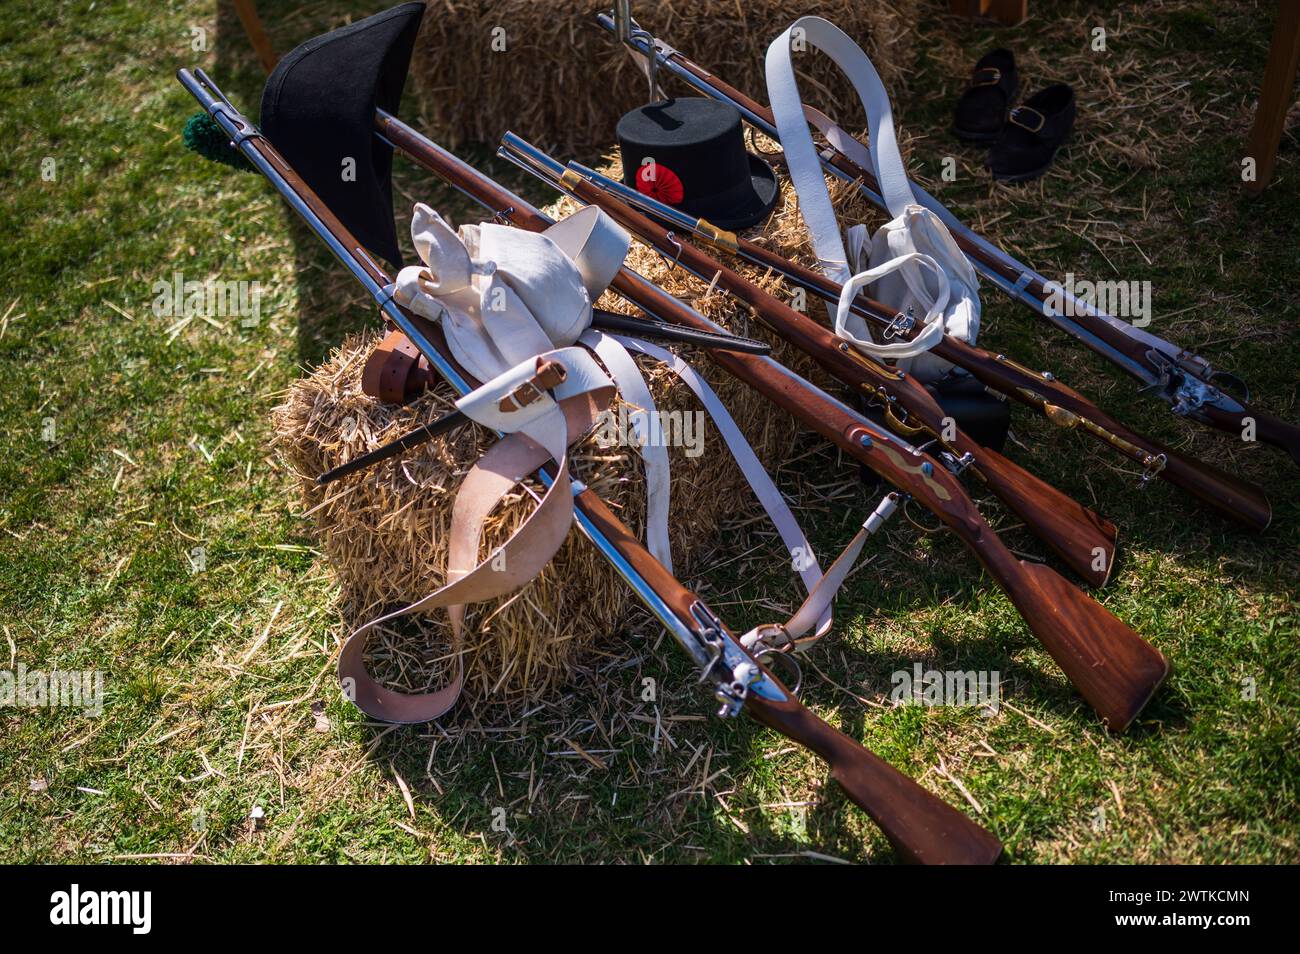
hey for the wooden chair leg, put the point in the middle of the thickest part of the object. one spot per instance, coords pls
(1009, 12)
(1276, 94)
(252, 24)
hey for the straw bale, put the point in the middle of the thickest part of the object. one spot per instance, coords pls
(562, 81)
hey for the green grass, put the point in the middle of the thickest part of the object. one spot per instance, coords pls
(161, 445)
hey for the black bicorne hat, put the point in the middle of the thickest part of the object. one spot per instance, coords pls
(318, 109)
(690, 153)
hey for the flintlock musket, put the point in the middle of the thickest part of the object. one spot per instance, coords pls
(1111, 666)
(998, 373)
(1080, 537)
(921, 827)
(1186, 381)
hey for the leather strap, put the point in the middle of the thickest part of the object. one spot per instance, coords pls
(395, 372)
(543, 429)
(550, 374)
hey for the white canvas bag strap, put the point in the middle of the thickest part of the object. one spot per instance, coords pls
(798, 631)
(796, 141)
(778, 511)
(633, 389)
(932, 324)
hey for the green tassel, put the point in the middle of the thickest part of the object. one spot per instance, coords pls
(204, 136)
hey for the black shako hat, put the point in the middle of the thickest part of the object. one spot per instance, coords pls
(690, 153)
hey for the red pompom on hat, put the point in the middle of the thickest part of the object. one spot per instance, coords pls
(659, 182)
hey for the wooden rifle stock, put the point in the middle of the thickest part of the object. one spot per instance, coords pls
(1268, 428)
(920, 826)
(922, 829)
(1112, 667)
(1084, 540)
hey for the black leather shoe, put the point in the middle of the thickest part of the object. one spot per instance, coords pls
(1034, 131)
(982, 109)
